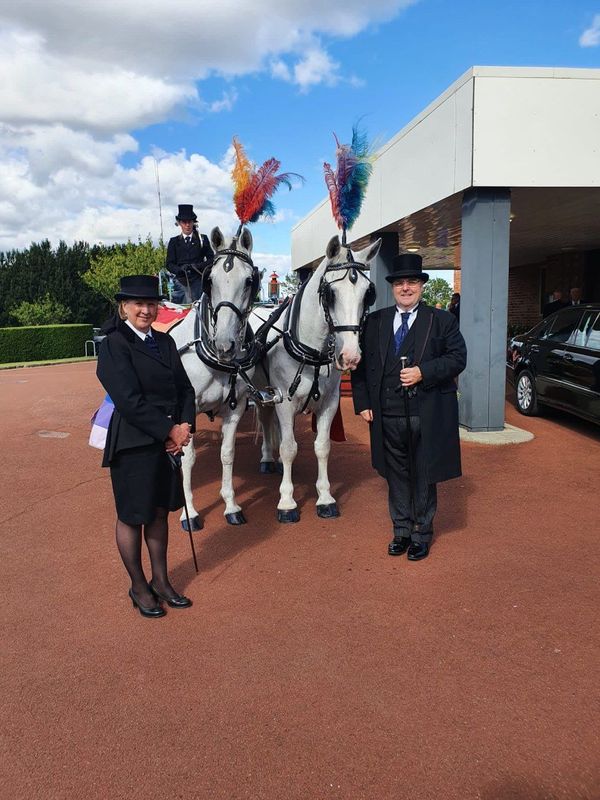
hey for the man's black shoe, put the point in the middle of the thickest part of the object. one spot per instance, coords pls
(417, 551)
(398, 546)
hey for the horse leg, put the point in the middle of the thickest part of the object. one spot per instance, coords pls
(187, 462)
(287, 509)
(268, 422)
(326, 505)
(233, 513)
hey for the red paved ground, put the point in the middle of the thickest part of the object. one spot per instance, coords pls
(311, 665)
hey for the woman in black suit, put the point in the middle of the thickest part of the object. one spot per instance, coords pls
(154, 416)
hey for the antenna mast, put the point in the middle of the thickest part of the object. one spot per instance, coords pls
(159, 200)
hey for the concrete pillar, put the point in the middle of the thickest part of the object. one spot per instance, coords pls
(483, 306)
(381, 266)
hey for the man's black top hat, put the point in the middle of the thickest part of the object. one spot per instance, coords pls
(139, 287)
(407, 265)
(186, 214)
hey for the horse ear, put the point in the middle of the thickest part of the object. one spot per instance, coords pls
(333, 248)
(246, 239)
(369, 253)
(216, 239)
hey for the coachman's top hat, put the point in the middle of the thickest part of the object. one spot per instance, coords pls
(139, 287)
(186, 214)
(407, 265)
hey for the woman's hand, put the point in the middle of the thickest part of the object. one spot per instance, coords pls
(179, 436)
(367, 415)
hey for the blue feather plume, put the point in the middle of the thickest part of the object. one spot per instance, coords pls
(347, 185)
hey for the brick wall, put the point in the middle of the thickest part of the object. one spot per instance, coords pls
(524, 295)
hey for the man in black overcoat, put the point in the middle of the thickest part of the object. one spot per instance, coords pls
(188, 255)
(556, 303)
(436, 353)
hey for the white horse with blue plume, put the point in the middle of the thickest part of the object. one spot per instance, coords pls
(320, 335)
(319, 338)
(218, 348)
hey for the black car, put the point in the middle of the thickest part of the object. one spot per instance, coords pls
(557, 363)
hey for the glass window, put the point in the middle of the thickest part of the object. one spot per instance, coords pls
(541, 331)
(563, 325)
(581, 332)
(593, 340)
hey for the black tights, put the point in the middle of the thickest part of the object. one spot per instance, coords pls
(129, 542)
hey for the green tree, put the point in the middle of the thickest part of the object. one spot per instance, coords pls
(46, 311)
(437, 290)
(110, 264)
(31, 274)
(290, 284)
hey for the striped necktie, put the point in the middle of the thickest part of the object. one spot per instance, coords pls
(402, 332)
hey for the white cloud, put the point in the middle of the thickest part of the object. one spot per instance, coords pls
(78, 77)
(316, 67)
(226, 103)
(81, 191)
(591, 36)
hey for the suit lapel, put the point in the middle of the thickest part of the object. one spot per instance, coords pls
(386, 328)
(163, 346)
(421, 329)
(141, 347)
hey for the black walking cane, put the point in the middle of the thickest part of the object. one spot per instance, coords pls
(411, 464)
(176, 464)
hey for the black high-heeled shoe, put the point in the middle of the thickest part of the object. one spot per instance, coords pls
(179, 601)
(146, 611)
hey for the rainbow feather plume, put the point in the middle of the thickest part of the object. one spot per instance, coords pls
(347, 184)
(254, 187)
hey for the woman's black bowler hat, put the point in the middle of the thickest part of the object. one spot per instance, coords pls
(407, 265)
(139, 287)
(186, 214)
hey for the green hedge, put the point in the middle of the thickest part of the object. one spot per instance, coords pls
(43, 342)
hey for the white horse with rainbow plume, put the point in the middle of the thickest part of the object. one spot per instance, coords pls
(217, 348)
(321, 334)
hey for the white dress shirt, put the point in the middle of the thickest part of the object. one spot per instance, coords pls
(139, 333)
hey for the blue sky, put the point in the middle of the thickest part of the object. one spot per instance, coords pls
(192, 75)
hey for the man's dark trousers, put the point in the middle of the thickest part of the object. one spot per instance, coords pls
(395, 433)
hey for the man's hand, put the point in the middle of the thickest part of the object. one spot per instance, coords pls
(367, 415)
(410, 376)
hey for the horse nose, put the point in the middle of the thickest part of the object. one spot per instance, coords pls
(227, 353)
(349, 362)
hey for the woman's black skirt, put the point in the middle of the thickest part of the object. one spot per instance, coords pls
(143, 480)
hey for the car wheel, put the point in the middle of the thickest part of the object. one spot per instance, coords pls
(526, 394)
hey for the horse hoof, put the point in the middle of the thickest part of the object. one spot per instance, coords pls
(293, 515)
(195, 523)
(328, 511)
(237, 518)
(267, 467)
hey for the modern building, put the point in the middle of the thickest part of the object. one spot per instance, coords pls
(498, 179)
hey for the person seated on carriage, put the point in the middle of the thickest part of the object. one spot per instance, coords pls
(303, 274)
(188, 255)
(153, 419)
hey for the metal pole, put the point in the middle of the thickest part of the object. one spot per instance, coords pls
(159, 200)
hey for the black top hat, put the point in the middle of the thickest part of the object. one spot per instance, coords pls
(186, 214)
(407, 265)
(139, 287)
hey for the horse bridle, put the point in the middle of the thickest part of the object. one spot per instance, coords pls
(352, 269)
(252, 282)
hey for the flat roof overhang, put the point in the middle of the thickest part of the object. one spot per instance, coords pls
(535, 131)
